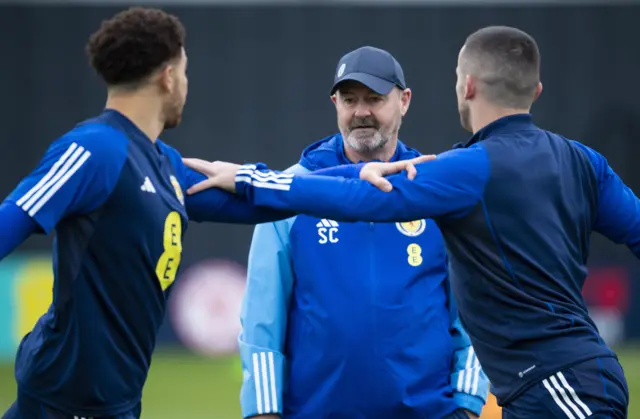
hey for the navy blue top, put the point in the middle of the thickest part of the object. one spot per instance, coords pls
(516, 205)
(116, 201)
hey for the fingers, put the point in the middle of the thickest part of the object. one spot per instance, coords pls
(381, 183)
(201, 186)
(410, 167)
(377, 180)
(411, 171)
(422, 159)
(198, 165)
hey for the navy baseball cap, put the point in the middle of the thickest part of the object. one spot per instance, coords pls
(373, 67)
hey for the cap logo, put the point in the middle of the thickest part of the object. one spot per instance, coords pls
(341, 70)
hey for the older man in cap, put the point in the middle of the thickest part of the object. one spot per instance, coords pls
(355, 320)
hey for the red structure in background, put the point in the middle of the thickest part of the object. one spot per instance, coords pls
(608, 288)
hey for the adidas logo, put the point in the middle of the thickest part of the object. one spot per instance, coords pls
(147, 186)
(326, 223)
(328, 231)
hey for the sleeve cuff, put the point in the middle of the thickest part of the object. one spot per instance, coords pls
(244, 177)
(468, 402)
(261, 393)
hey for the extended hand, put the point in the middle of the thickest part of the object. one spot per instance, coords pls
(219, 174)
(374, 173)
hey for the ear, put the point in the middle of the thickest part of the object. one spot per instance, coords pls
(538, 91)
(166, 78)
(406, 100)
(334, 99)
(470, 87)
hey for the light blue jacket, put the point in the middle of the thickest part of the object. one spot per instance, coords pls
(353, 320)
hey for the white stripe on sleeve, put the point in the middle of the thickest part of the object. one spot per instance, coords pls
(265, 382)
(272, 376)
(463, 373)
(270, 176)
(258, 387)
(85, 156)
(265, 180)
(469, 371)
(476, 376)
(57, 176)
(50, 173)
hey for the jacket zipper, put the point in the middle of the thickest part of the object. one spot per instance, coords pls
(372, 276)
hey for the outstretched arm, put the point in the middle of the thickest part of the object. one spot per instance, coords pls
(451, 186)
(17, 226)
(220, 206)
(76, 174)
(618, 210)
(216, 205)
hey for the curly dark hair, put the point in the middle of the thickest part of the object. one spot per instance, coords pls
(134, 43)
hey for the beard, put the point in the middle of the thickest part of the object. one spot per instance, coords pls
(364, 135)
(465, 117)
(173, 122)
(173, 114)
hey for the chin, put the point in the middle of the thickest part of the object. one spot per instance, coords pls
(173, 122)
(465, 119)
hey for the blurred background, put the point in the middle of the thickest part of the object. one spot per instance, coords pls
(260, 74)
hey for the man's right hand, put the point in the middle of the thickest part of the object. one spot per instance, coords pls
(219, 174)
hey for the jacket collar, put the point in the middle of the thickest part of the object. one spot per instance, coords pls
(504, 125)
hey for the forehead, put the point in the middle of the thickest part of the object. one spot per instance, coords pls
(460, 54)
(182, 59)
(355, 88)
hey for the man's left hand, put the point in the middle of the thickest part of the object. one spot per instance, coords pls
(375, 172)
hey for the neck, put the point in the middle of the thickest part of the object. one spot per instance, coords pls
(383, 154)
(141, 108)
(486, 114)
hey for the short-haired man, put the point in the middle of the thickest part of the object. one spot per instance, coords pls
(517, 206)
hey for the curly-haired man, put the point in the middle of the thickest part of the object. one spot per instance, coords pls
(114, 195)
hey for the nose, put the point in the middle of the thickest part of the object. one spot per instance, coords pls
(362, 110)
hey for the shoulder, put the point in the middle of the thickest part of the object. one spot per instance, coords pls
(101, 144)
(175, 158)
(173, 154)
(462, 168)
(167, 149)
(596, 158)
(476, 154)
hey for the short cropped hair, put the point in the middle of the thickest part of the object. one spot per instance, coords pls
(134, 43)
(507, 61)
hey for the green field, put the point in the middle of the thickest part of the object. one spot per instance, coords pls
(183, 385)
